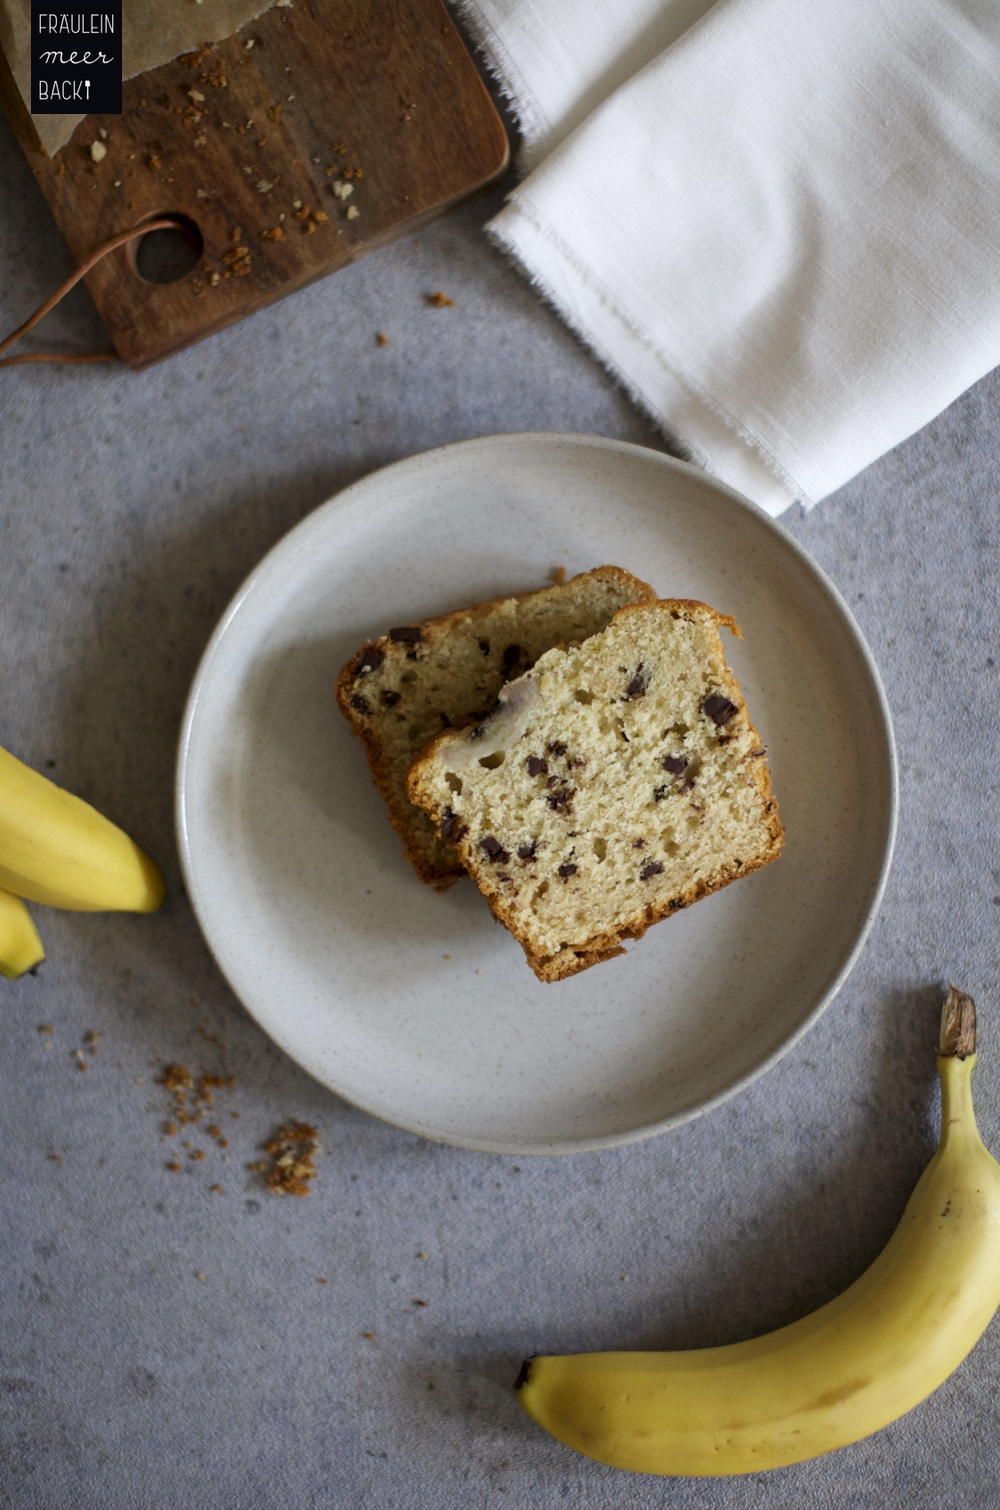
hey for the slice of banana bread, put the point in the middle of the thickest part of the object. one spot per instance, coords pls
(617, 781)
(399, 691)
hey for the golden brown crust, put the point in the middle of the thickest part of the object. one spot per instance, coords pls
(693, 608)
(592, 951)
(605, 946)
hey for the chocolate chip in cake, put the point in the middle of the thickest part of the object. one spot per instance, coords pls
(718, 708)
(389, 697)
(492, 846)
(369, 660)
(650, 869)
(638, 685)
(560, 800)
(536, 765)
(555, 749)
(675, 764)
(360, 704)
(449, 823)
(527, 851)
(567, 870)
(409, 634)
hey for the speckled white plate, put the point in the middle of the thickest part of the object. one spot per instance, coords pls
(414, 1004)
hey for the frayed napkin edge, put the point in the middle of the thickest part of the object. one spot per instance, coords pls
(502, 238)
(533, 125)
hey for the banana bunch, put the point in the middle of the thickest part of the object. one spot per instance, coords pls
(833, 1377)
(60, 851)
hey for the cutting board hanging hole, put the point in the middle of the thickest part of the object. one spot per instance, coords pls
(169, 254)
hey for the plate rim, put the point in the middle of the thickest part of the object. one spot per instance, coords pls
(343, 499)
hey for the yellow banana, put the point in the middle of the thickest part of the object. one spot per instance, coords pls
(20, 947)
(58, 850)
(831, 1378)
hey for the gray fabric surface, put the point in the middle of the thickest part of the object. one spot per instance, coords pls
(163, 1344)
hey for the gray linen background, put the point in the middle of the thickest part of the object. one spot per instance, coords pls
(163, 1344)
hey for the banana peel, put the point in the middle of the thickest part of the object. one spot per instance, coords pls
(58, 850)
(831, 1378)
(20, 945)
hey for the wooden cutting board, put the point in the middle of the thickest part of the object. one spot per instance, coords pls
(321, 131)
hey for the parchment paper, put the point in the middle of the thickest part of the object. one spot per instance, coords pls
(153, 32)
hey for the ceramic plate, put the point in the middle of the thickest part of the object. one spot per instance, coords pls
(416, 1005)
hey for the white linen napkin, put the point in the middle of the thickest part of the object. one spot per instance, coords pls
(558, 59)
(783, 233)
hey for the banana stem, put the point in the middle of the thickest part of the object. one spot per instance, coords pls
(958, 1025)
(955, 1062)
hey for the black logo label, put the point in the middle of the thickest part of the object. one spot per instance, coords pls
(76, 59)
